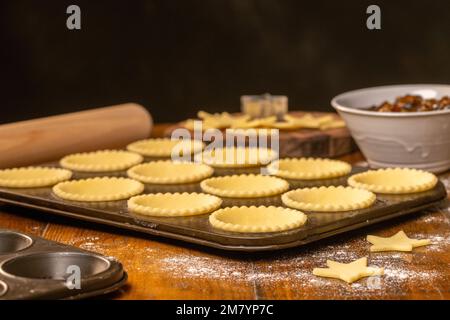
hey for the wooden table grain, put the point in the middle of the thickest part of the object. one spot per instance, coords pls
(165, 269)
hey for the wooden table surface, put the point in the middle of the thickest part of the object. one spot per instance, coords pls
(165, 269)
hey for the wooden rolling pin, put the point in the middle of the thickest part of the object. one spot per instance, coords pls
(46, 139)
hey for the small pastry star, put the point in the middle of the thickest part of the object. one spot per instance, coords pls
(349, 272)
(398, 242)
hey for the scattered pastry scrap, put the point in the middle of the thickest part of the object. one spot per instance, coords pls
(257, 219)
(101, 161)
(398, 242)
(309, 168)
(244, 186)
(309, 121)
(98, 189)
(349, 272)
(284, 125)
(251, 132)
(32, 177)
(266, 122)
(170, 172)
(226, 120)
(334, 124)
(215, 121)
(221, 120)
(358, 269)
(173, 204)
(328, 199)
(236, 157)
(165, 147)
(394, 180)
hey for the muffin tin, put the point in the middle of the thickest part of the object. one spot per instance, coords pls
(196, 229)
(35, 268)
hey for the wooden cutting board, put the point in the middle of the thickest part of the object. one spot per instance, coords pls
(328, 143)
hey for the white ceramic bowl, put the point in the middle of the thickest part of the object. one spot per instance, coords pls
(418, 140)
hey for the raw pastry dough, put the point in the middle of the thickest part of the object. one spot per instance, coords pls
(309, 168)
(170, 172)
(308, 120)
(398, 242)
(245, 123)
(266, 122)
(215, 121)
(244, 186)
(98, 189)
(162, 147)
(174, 204)
(236, 157)
(190, 124)
(394, 180)
(221, 120)
(349, 272)
(225, 120)
(249, 132)
(328, 199)
(32, 177)
(332, 125)
(257, 219)
(101, 161)
(285, 125)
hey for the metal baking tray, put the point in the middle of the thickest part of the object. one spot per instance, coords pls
(196, 229)
(36, 268)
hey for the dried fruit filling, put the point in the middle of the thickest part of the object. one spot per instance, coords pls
(413, 103)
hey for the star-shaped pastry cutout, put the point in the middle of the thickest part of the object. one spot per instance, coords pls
(349, 272)
(398, 242)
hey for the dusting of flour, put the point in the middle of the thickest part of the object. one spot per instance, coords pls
(291, 270)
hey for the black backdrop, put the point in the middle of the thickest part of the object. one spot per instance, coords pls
(175, 57)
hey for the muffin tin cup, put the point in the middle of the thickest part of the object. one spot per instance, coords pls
(35, 268)
(3, 288)
(198, 230)
(12, 242)
(54, 265)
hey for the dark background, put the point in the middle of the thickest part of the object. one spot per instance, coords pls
(175, 57)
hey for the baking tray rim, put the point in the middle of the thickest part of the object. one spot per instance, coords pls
(216, 245)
